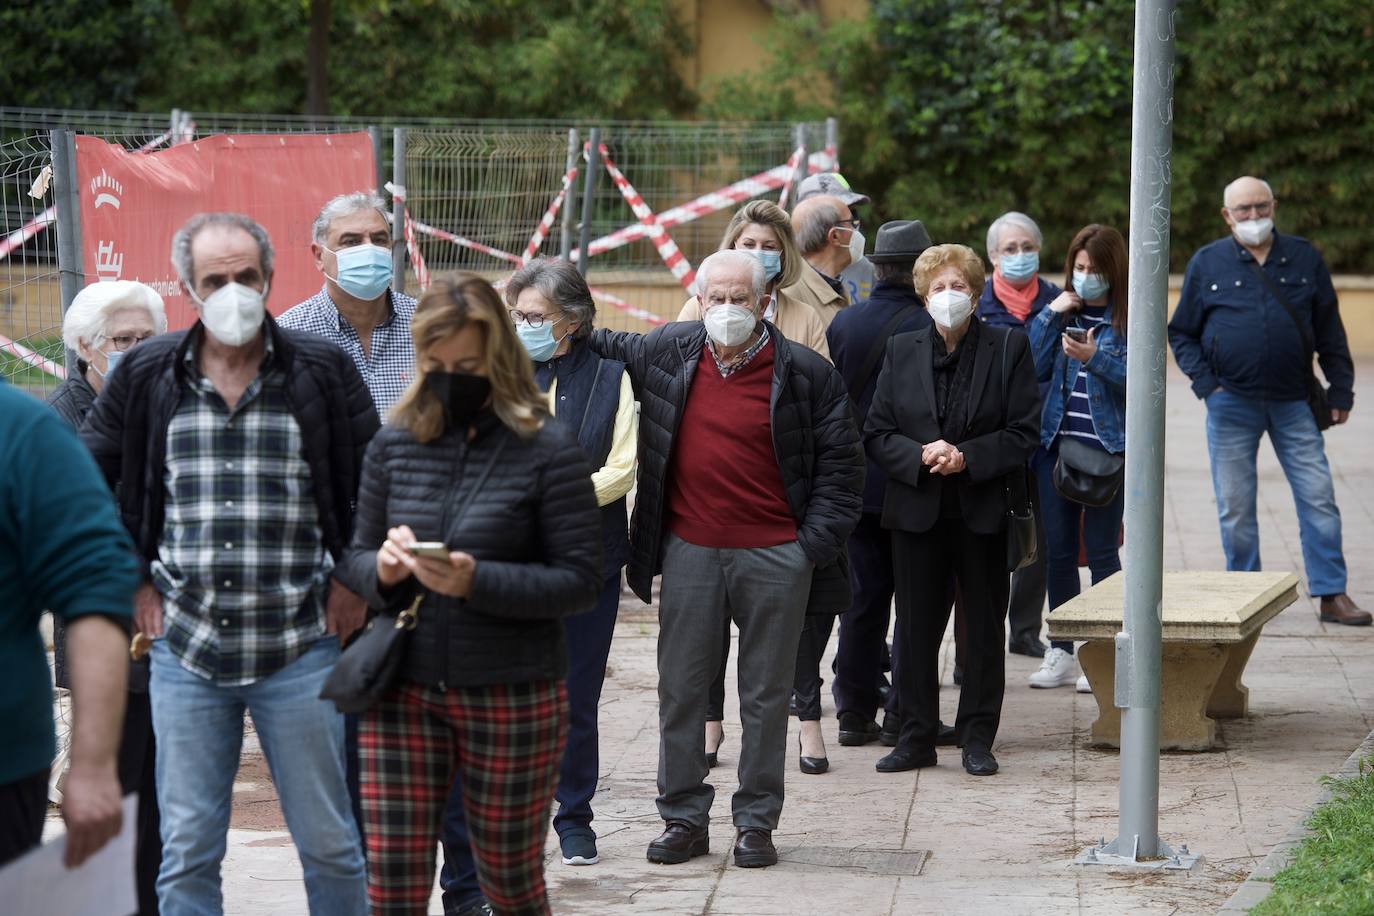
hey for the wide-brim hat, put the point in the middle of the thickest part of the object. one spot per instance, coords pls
(900, 240)
(833, 185)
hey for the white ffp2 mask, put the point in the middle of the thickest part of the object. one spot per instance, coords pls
(233, 313)
(1254, 232)
(728, 324)
(949, 308)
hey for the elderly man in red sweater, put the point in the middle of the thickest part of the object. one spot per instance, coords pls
(751, 477)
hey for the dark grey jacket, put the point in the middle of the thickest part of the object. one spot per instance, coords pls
(532, 526)
(817, 445)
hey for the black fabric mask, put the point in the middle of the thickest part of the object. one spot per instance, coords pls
(462, 395)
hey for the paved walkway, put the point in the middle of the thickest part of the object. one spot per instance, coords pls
(953, 843)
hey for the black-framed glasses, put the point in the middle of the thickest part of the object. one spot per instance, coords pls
(533, 319)
(123, 343)
(1260, 209)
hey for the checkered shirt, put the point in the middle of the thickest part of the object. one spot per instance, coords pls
(742, 360)
(241, 566)
(391, 365)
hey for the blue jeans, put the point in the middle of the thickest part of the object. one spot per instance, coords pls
(1234, 427)
(1063, 520)
(199, 728)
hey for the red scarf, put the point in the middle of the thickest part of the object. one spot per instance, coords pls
(1016, 301)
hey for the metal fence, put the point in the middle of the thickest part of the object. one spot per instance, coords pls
(476, 193)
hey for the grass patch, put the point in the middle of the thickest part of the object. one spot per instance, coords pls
(1332, 871)
(17, 372)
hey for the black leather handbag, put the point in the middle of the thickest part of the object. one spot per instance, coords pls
(1086, 474)
(1022, 543)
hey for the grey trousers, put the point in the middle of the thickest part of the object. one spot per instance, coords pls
(764, 590)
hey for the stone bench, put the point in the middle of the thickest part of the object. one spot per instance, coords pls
(1212, 621)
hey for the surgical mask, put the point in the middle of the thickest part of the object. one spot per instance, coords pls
(1090, 286)
(364, 270)
(1020, 266)
(1254, 232)
(949, 308)
(111, 360)
(233, 313)
(539, 342)
(856, 246)
(462, 395)
(772, 262)
(728, 324)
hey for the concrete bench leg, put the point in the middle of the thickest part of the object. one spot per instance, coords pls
(1231, 698)
(1188, 676)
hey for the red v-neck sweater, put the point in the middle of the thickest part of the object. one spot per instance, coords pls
(725, 489)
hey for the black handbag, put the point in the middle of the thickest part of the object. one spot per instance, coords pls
(1022, 543)
(1317, 401)
(1087, 474)
(368, 667)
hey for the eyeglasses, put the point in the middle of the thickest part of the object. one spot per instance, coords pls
(853, 223)
(1260, 209)
(123, 343)
(533, 319)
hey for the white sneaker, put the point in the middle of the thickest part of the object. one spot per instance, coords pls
(1057, 669)
(1083, 686)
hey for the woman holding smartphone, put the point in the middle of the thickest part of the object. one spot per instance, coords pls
(1079, 346)
(475, 503)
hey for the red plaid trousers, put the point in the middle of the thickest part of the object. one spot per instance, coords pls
(507, 741)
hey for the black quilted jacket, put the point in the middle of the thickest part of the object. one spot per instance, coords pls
(819, 451)
(532, 525)
(126, 431)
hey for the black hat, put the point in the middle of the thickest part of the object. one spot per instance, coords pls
(900, 240)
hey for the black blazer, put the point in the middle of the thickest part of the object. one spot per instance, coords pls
(1003, 428)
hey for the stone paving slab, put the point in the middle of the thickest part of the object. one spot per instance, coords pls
(1001, 845)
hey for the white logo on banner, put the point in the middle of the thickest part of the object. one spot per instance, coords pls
(109, 264)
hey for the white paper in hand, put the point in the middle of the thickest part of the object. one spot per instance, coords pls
(38, 884)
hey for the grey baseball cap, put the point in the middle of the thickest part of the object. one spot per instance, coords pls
(833, 184)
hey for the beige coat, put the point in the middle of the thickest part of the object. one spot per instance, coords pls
(815, 292)
(798, 322)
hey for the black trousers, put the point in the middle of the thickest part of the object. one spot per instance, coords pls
(23, 804)
(927, 565)
(807, 681)
(863, 629)
(137, 765)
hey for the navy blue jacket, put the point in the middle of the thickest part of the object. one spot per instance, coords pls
(1230, 331)
(851, 335)
(992, 312)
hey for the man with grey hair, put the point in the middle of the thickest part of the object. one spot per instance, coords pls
(860, 276)
(829, 239)
(1256, 306)
(235, 450)
(751, 475)
(357, 309)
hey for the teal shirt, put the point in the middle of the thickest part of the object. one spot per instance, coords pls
(63, 548)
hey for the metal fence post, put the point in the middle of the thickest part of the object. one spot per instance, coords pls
(1138, 646)
(565, 226)
(375, 134)
(71, 271)
(832, 140)
(398, 210)
(803, 166)
(588, 198)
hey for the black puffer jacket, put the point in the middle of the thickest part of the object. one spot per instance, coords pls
(127, 429)
(532, 526)
(819, 452)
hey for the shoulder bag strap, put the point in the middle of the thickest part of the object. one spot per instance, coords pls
(1307, 343)
(875, 352)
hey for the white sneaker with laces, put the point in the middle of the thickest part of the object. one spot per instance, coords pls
(1057, 669)
(1082, 686)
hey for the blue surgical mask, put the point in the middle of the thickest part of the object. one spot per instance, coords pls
(111, 360)
(539, 342)
(364, 271)
(1090, 286)
(772, 262)
(1020, 266)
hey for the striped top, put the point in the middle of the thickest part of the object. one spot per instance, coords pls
(1078, 418)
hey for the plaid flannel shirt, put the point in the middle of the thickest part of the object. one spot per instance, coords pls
(740, 361)
(242, 566)
(390, 365)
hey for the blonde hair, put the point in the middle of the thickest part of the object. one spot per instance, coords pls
(767, 213)
(451, 303)
(937, 258)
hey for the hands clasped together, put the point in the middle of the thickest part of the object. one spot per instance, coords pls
(942, 458)
(395, 562)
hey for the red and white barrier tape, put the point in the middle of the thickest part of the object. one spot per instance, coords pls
(793, 164)
(541, 232)
(631, 310)
(155, 142)
(667, 249)
(27, 231)
(36, 360)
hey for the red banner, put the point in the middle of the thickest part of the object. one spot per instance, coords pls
(132, 204)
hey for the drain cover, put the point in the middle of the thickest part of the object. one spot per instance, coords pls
(900, 862)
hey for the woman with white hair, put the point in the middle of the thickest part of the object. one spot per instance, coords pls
(103, 322)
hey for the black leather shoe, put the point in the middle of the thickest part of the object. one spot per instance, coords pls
(856, 731)
(901, 760)
(891, 730)
(946, 736)
(480, 908)
(754, 848)
(958, 676)
(813, 766)
(679, 842)
(713, 757)
(1027, 645)
(979, 762)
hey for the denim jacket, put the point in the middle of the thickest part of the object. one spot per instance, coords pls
(1106, 378)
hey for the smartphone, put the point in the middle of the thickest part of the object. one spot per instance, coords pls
(1078, 334)
(436, 549)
